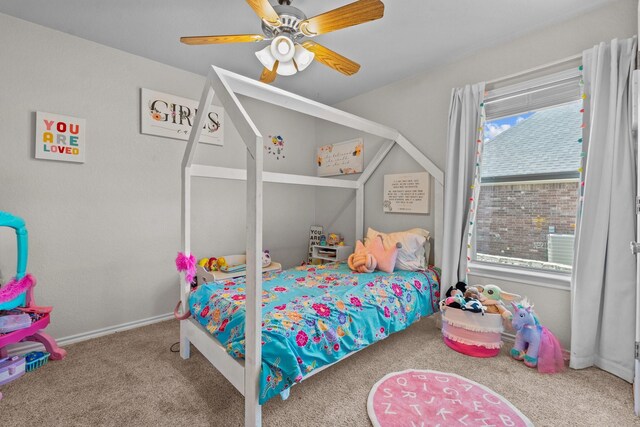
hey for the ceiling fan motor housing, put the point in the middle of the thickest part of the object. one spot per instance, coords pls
(290, 17)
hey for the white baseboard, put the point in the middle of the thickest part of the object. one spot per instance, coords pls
(25, 347)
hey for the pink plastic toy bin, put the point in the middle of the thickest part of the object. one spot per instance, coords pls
(473, 334)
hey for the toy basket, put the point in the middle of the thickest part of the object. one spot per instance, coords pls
(35, 360)
(473, 334)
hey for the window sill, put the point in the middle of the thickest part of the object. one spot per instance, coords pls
(529, 277)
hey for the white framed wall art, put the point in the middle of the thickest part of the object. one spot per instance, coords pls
(342, 158)
(60, 137)
(172, 116)
(406, 193)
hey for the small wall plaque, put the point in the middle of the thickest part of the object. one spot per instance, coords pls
(60, 137)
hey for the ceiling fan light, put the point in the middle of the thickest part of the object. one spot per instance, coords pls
(282, 49)
(303, 57)
(286, 68)
(266, 58)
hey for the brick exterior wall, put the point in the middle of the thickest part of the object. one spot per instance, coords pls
(513, 220)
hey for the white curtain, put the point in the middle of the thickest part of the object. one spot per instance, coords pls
(604, 273)
(464, 121)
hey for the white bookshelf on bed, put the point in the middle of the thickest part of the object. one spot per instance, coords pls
(245, 374)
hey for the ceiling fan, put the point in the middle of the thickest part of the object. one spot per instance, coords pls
(286, 26)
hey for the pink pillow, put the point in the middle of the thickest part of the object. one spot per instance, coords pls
(386, 257)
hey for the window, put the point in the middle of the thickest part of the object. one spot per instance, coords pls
(530, 178)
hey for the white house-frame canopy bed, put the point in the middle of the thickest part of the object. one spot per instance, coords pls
(244, 372)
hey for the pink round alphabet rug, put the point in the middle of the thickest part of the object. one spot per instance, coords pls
(417, 398)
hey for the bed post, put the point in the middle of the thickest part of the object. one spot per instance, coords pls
(185, 348)
(185, 208)
(253, 302)
(360, 211)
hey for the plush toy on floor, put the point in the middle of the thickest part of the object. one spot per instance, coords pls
(535, 344)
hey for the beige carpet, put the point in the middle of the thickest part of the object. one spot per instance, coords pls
(132, 379)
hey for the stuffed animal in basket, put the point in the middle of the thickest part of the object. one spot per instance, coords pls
(455, 295)
(464, 298)
(491, 297)
(535, 344)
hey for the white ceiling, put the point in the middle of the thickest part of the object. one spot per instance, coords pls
(413, 36)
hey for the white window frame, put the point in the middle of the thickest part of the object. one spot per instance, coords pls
(535, 94)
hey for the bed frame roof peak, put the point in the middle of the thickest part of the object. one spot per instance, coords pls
(226, 85)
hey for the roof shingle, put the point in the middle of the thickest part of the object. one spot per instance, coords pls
(546, 142)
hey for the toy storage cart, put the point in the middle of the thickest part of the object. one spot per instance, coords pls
(473, 334)
(23, 301)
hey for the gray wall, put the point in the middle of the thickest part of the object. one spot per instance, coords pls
(104, 234)
(419, 108)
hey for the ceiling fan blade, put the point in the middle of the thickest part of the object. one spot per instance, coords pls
(346, 16)
(265, 11)
(268, 76)
(332, 59)
(234, 38)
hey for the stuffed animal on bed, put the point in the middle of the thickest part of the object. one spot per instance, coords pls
(266, 258)
(372, 255)
(362, 260)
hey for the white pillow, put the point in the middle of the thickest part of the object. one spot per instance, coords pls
(412, 254)
(427, 243)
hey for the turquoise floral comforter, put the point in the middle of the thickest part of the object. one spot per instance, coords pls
(315, 315)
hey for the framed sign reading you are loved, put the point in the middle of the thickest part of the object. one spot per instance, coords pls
(60, 137)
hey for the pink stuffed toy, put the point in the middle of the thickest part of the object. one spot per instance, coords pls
(371, 256)
(362, 260)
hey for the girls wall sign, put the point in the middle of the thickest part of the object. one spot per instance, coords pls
(60, 137)
(172, 116)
